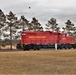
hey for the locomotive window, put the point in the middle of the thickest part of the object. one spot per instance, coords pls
(63, 35)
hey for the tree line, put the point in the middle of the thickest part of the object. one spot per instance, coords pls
(11, 26)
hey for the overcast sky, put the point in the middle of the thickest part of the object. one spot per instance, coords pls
(43, 10)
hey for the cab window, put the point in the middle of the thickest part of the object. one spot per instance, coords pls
(63, 35)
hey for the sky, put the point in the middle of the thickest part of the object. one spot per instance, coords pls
(43, 10)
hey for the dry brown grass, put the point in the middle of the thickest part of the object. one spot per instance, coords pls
(44, 62)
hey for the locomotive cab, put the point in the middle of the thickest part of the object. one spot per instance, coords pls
(66, 41)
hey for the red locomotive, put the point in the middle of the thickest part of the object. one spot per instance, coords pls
(46, 39)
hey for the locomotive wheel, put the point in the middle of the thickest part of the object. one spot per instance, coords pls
(38, 47)
(24, 49)
(27, 48)
(65, 46)
(70, 46)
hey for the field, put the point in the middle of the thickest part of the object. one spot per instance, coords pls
(43, 62)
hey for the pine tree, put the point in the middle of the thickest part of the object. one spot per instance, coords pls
(11, 26)
(74, 33)
(2, 20)
(24, 23)
(2, 23)
(64, 29)
(69, 27)
(35, 25)
(52, 25)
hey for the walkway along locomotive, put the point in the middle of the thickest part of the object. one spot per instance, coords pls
(45, 39)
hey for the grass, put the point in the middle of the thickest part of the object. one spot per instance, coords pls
(38, 62)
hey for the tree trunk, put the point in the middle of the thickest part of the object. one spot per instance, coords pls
(23, 28)
(0, 40)
(10, 38)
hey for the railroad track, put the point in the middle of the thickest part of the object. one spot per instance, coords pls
(15, 50)
(9, 50)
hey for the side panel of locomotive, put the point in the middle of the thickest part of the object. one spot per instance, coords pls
(37, 40)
